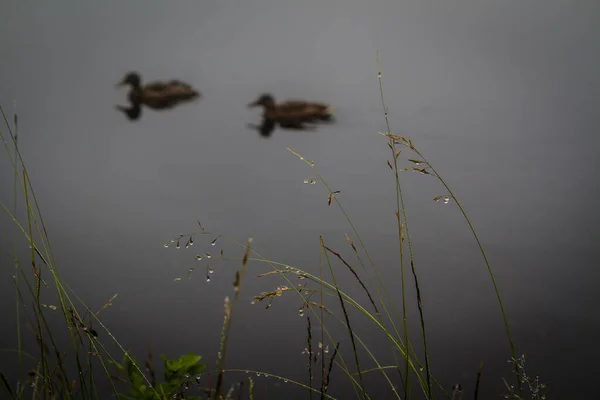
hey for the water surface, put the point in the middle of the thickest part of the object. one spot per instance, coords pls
(501, 96)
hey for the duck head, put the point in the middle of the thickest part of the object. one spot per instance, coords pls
(132, 78)
(265, 100)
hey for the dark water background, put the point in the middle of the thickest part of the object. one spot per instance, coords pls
(502, 97)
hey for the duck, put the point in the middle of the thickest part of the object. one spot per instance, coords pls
(292, 113)
(155, 95)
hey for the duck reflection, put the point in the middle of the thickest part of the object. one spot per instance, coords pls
(291, 115)
(267, 126)
(155, 95)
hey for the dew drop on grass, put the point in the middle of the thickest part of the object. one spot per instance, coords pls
(285, 381)
(326, 349)
(446, 199)
(301, 311)
(258, 374)
(208, 255)
(177, 279)
(199, 257)
(177, 246)
(214, 241)
(168, 244)
(207, 278)
(210, 270)
(310, 181)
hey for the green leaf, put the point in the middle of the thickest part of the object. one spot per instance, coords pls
(167, 390)
(173, 365)
(195, 369)
(189, 359)
(118, 366)
(130, 369)
(137, 380)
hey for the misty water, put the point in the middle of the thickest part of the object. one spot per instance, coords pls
(501, 96)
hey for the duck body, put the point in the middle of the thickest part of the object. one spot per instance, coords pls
(292, 112)
(156, 95)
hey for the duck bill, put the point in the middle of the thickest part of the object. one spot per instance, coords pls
(121, 84)
(252, 105)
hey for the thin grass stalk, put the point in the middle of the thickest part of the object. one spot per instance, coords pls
(237, 286)
(75, 333)
(479, 372)
(32, 222)
(250, 389)
(485, 259)
(98, 345)
(360, 241)
(338, 255)
(6, 386)
(45, 324)
(385, 367)
(348, 219)
(350, 331)
(36, 293)
(362, 284)
(330, 368)
(354, 304)
(370, 353)
(91, 365)
(273, 265)
(36, 272)
(15, 166)
(382, 303)
(343, 366)
(281, 378)
(400, 204)
(15, 205)
(309, 344)
(43, 234)
(37, 285)
(322, 322)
